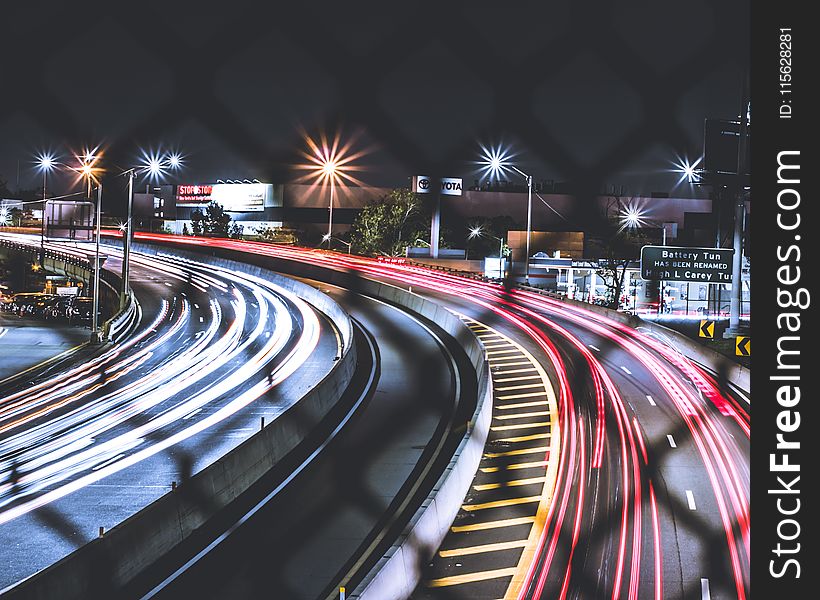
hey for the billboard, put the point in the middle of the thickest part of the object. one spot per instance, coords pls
(448, 186)
(65, 219)
(233, 197)
(673, 263)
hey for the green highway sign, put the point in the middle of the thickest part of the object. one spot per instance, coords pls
(673, 263)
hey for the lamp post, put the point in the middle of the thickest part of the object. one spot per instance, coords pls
(95, 335)
(154, 166)
(496, 161)
(45, 162)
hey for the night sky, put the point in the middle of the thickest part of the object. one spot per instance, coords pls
(593, 93)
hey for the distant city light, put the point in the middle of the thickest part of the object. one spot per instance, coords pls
(175, 161)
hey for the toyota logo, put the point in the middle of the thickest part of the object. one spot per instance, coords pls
(424, 184)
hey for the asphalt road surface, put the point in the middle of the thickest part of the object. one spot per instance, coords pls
(651, 495)
(87, 444)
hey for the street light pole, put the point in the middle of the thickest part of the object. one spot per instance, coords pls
(529, 221)
(43, 223)
(126, 246)
(95, 336)
(330, 216)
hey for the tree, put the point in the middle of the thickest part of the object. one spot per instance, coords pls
(277, 235)
(214, 222)
(622, 246)
(388, 225)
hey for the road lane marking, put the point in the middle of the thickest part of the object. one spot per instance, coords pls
(517, 370)
(516, 452)
(526, 465)
(504, 484)
(522, 405)
(651, 401)
(519, 426)
(521, 378)
(542, 413)
(627, 371)
(524, 395)
(201, 319)
(508, 351)
(500, 503)
(482, 548)
(492, 524)
(471, 577)
(192, 413)
(594, 348)
(523, 386)
(705, 594)
(690, 499)
(512, 364)
(526, 438)
(671, 441)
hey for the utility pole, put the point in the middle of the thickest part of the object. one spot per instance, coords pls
(740, 218)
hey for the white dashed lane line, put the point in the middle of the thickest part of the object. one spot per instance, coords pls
(690, 500)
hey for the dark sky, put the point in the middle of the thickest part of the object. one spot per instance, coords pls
(590, 92)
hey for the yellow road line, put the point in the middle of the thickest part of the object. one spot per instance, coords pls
(510, 351)
(522, 378)
(527, 438)
(518, 370)
(519, 426)
(540, 413)
(492, 524)
(525, 395)
(516, 452)
(482, 548)
(514, 483)
(500, 503)
(523, 386)
(471, 577)
(527, 465)
(522, 405)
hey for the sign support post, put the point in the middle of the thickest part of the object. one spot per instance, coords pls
(435, 226)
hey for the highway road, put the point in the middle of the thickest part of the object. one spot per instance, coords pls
(304, 540)
(85, 444)
(650, 497)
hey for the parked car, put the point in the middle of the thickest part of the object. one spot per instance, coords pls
(80, 309)
(57, 309)
(30, 304)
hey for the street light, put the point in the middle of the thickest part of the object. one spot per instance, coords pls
(329, 162)
(495, 162)
(327, 238)
(478, 232)
(45, 163)
(154, 166)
